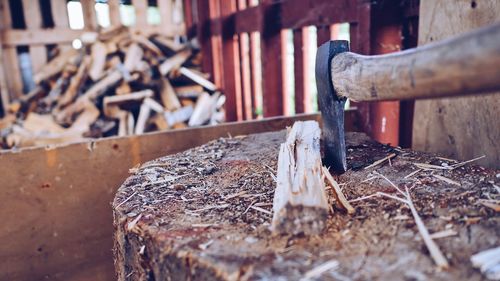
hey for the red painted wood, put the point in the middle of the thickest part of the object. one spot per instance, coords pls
(246, 83)
(272, 67)
(303, 101)
(231, 66)
(203, 31)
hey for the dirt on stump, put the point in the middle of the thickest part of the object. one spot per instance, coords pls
(204, 214)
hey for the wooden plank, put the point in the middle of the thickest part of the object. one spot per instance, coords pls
(89, 15)
(255, 70)
(466, 127)
(166, 7)
(323, 34)
(294, 13)
(33, 19)
(13, 75)
(61, 20)
(246, 75)
(303, 101)
(63, 198)
(207, 64)
(4, 91)
(216, 41)
(231, 67)
(141, 12)
(272, 68)
(114, 12)
(37, 37)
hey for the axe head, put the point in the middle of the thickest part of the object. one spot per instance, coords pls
(331, 106)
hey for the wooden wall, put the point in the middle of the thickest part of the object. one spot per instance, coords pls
(466, 127)
(41, 32)
(55, 203)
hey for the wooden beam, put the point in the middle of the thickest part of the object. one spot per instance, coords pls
(246, 75)
(61, 20)
(89, 15)
(37, 37)
(33, 18)
(318, 12)
(67, 227)
(13, 75)
(301, 42)
(272, 68)
(231, 67)
(141, 12)
(114, 12)
(255, 70)
(203, 34)
(166, 7)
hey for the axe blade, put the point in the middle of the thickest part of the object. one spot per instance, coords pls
(331, 106)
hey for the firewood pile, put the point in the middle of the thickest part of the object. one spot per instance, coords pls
(119, 83)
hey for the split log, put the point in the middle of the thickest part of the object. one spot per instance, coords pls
(98, 54)
(56, 65)
(174, 62)
(77, 80)
(300, 204)
(198, 79)
(168, 96)
(203, 109)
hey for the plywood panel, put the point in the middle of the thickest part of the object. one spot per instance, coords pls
(465, 127)
(55, 203)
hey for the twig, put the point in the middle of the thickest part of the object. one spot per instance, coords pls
(338, 193)
(458, 165)
(450, 181)
(318, 270)
(261, 210)
(436, 254)
(128, 198)
(412, 173)
(390, 182)
(380, 161)
(443, 234)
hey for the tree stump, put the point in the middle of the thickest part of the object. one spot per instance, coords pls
(205, 214)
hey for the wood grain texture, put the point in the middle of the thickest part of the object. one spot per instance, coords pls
(63, 195)
(463, 65)
(465, 127)
(9, 57)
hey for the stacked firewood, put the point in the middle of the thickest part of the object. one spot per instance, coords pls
(119, 83)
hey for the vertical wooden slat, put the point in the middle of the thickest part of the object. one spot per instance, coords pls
(141, 13)
(114, 12)
(33, 19)
(231, 67)
(245, 69)
(216, 43)
(255, 73)
(303, 101)
(165, 7)
(323, 34)
(204, 37)
(9, 57)
(188, 14)
(4, 92)
(89, 15)
(60, 17)
(272, 68)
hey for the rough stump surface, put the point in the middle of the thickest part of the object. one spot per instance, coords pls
(204, 214)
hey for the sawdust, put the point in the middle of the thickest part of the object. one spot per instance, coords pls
(213, 202)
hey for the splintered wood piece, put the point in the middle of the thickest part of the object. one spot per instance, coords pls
(133, 57)
(300, 204)
(168, 96)
(154, 105)
(85, 119)
(77, 80)
(127, 98)
(99, 53)
(338, 193)
(488, 261)
(203, 109)
(191, 91)
(55, 66)
(169, 43)
(174, 62)
(181, 115)
(197, 78)
(139, 38)
(100, 87)
(142, 118)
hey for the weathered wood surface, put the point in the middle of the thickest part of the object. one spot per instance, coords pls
(465, 127)
(204, 214)
(54, 202)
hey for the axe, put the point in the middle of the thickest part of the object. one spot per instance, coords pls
(466, 64)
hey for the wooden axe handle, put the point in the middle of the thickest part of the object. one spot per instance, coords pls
(462, 65)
